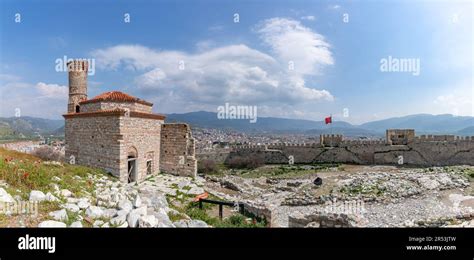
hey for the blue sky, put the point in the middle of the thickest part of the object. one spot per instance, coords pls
(297, 59)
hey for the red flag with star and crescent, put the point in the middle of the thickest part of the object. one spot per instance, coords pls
(328, 120)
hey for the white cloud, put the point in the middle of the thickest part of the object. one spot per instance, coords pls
(459, 101)
(178, 81)
(9, 77)
(205, 45)
(334, 7)
(290, 41)
(53, 91)
(308, 17)
(38, 100)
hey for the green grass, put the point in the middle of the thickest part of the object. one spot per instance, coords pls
(235, 221)
(468, 172)
(25, 172)
(366, 190)
(176, 216)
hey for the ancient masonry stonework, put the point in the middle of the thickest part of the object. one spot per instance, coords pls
(400, 147)
(120, 134)
(178, 150)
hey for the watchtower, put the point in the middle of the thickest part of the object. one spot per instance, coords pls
(77, 70)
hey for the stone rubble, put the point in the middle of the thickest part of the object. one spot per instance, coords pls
(405, 197)
(114, 204)
(36, 195)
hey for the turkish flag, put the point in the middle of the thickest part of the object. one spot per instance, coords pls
(328, 120)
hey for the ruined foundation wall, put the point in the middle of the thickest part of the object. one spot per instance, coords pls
(178, 150)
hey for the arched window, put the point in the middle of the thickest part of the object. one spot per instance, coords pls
(78, 109)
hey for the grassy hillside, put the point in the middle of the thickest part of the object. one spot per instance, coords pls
(20, 173)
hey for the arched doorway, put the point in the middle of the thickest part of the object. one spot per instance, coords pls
(132, 156)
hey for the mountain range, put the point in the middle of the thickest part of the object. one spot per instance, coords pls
(422, 123)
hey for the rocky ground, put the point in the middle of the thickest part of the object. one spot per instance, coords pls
(113, 204)
(375, 196)
(349, 195)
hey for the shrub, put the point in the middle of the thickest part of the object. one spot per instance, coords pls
(239, 162)
(207, 166)
(47, 153)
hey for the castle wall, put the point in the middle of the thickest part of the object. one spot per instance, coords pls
(178, 150)
(427, 152)
(400, 136)
(330, 140)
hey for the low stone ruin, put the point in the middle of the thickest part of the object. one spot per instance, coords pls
(325, 220)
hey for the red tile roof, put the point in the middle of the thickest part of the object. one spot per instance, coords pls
(115, 112)
(116, 96)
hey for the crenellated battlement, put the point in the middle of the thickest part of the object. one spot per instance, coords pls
(330, 140)
(338, 141)
(442, 138)
(425, 150)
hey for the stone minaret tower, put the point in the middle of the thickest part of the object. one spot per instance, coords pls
(77, 84)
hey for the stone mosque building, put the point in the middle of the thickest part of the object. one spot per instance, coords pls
(120, 134)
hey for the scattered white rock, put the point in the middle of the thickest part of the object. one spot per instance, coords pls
(162, 219)
(109, 213)
(36, 195)
(132, 219)
(428, 183)
(94, 212)
(5, 197)
(191, 223)
(51, 197)
(97, 223)
(51, 224)
(66, 193)
(125, 205)
(55, 178)
(140, 211)
(123, 212)
(76, 224)
(183, 184)
(195, 191)
(83, 204)
(72, 207)
(59, 215)
(147, 221)
(118, 220)
(137, 202)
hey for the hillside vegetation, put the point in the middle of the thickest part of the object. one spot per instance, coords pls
(21, 173)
